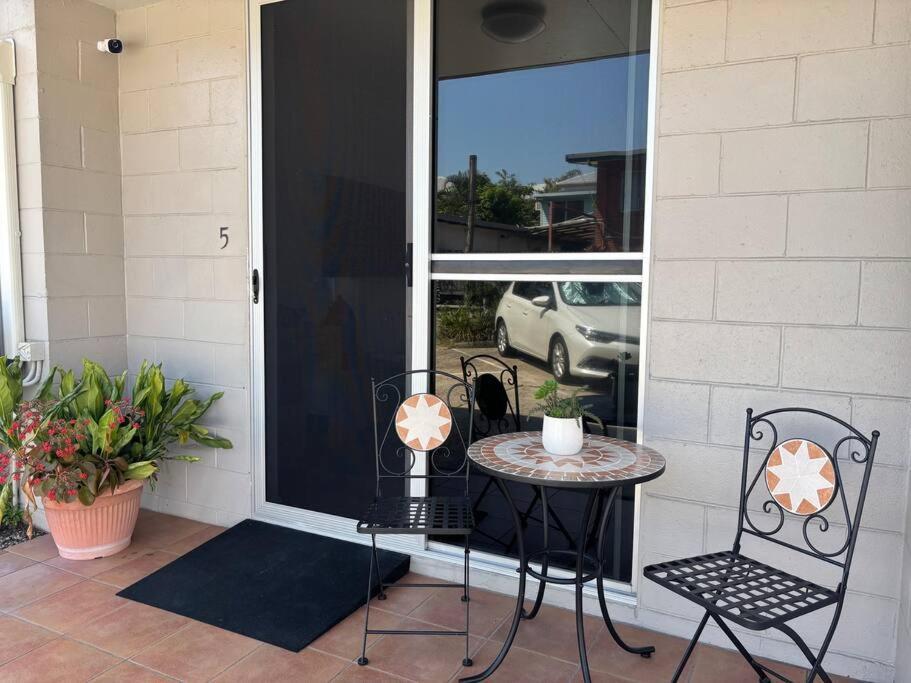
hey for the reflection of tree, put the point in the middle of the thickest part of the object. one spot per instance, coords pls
(504, 201)
(552, 184)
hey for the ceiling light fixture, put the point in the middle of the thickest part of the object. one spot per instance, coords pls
(513, 22)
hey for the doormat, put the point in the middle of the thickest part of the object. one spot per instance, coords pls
(268, 582)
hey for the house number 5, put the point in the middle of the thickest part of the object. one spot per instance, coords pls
(223, 234)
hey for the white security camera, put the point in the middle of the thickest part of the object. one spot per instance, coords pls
(112, 45)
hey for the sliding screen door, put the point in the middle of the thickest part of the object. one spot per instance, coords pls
(333, 193)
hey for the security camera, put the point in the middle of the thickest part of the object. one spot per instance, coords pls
(112, 45)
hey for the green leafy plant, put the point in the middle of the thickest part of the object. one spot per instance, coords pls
(552, 404)
(82, 436)
(465, 324)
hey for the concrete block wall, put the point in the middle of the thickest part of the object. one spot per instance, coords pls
(69, 155)
(184, 160)
(17, 22)
(781, 274)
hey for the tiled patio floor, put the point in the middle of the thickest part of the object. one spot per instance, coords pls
(61, 621)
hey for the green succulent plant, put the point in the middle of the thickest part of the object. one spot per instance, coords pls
(552, 404)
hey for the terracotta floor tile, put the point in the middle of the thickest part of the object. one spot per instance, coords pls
(552, 632)
(17, 638)
(445, 607)
(521, 665)
(10, 562)
(128, 671)
(60, 660)
(269, 663)
(420, 658)
(130, 572)
(196, 653)
(34, 582)
(405, 600)
(601, 677)
(345, 638)
(605, 655)
(366, 674)
(157, 530)
(195, 540)
(90, 568)
(40, 549)
(132, 628)
(72, 607)
(716, 665)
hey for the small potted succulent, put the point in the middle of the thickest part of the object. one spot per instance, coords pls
(86, 448)
(562, 433)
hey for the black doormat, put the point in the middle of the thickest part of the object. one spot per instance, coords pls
(278, 585)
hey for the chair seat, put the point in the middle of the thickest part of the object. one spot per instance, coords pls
(418, 515)
(740, 589)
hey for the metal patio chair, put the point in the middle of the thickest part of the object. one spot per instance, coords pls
(497, 412)
(406, 425)
(802, 480)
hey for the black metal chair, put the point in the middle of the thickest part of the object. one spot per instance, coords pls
(406, 424)
(801, 480)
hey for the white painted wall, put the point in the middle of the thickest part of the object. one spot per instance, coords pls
(184, 155)
(69, 180)
(781, 274)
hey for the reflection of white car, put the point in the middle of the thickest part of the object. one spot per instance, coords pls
(584, 329)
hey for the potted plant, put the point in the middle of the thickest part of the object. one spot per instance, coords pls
(86, 449)
(562, 433)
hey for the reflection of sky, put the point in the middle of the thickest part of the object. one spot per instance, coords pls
(527, 121)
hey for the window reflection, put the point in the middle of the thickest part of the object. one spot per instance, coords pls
(556, 124)
(583, 334)
(510, 337)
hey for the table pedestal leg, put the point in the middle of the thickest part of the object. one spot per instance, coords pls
(580, 585)
(647, 650)
(520, 601)
(542, 494)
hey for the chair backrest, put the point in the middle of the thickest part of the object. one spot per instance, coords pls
(436, 423)
(818, 486)
(496, 394)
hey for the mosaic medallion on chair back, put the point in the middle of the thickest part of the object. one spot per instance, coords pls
(800, 476)
(423, 422)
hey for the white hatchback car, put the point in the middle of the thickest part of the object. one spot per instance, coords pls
(582, 329)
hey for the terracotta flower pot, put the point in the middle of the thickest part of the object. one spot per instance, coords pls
(101, 529)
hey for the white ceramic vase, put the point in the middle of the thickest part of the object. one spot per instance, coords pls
(562, 435)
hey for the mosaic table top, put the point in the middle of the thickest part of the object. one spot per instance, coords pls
(603, 461)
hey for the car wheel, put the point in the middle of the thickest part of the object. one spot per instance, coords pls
(503, 347)
(559, 359)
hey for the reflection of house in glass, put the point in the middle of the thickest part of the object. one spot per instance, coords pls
(600, 210)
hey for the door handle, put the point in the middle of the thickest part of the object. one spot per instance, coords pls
(409, 268)
(254, 283)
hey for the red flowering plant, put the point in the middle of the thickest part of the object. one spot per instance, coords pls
(65, 458)
(81, 438)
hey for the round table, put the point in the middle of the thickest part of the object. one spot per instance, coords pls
(602, 467)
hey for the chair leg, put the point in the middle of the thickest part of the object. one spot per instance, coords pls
(689, 648)
(815, 661)
(741, 649)
(362, 660)
(467, 600)
(379, 576)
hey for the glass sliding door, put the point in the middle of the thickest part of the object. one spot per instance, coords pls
(334, 88)
(538, 234)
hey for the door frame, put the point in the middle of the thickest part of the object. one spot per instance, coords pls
(431, 556)
(418, 201)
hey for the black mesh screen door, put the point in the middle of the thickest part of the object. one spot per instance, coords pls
(333, 196)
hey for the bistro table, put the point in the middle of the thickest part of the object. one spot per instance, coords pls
(602, 467)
